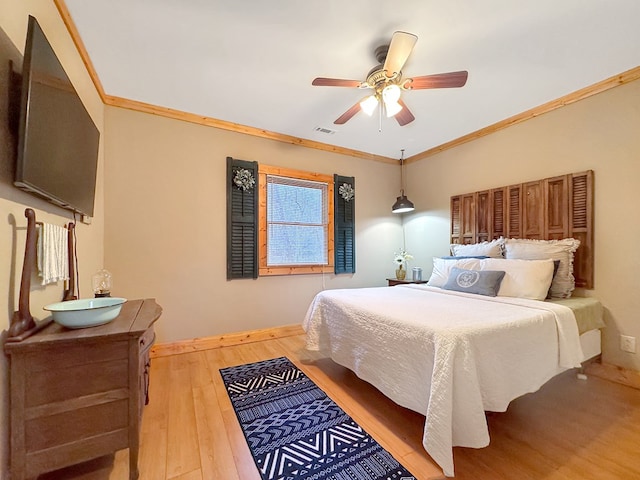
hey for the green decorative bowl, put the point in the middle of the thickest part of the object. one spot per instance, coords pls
(86, 312)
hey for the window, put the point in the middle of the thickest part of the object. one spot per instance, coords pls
(296, 222)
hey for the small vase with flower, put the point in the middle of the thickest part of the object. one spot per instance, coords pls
(400, 261)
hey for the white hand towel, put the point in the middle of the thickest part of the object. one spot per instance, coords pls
(53, 256)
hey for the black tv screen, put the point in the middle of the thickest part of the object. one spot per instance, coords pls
(58, 141)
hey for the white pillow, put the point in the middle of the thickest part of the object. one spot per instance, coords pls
(523, 278)
(442, 268)
(494, 248)
(563, 282)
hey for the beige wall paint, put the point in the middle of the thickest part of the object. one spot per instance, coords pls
(13, 20)
(163, 220)
(165, 225)
(600, 133)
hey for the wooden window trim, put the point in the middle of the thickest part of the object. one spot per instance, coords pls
(264, 270)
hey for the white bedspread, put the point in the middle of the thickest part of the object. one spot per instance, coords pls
(447, 355)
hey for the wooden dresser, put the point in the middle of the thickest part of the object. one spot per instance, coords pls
(78, 394)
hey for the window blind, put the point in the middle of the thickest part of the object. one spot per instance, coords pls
(297, 221)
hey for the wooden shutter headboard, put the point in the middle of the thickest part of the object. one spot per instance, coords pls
(548, 209)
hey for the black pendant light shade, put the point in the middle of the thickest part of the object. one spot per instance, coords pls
(403, 204)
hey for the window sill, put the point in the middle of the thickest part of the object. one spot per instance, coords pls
(294, 270)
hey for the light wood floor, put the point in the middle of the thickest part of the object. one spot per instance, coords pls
(570, 429)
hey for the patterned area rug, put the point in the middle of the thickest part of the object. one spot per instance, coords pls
(296, 432)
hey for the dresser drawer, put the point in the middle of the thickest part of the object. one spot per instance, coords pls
(146, 341)
(144, 367)
(54, 375)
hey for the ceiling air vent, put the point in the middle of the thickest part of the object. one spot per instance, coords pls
(328, 131)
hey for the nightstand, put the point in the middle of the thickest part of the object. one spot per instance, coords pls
(394, 281)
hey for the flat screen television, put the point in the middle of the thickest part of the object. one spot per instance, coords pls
(58, 141)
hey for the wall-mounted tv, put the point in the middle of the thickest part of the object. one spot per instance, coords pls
(58, 141)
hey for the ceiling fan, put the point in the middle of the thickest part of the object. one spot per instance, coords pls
(387, 82)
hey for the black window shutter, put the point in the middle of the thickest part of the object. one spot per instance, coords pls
(242, 222)
(344, 219)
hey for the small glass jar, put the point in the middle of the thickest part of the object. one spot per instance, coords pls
(102, 283)
(416, 274)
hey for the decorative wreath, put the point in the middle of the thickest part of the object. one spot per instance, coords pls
(243, 179)
(346, 191)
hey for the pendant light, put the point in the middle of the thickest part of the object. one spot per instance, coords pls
(403, 204)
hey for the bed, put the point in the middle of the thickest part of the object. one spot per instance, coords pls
(452, 351)
(451, 355)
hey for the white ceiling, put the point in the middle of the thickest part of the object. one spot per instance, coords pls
(252, 62)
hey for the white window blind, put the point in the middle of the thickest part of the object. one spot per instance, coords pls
(297, 225)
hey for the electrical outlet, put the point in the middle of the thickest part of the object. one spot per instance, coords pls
(628, 344)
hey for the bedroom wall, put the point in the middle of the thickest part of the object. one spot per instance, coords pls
(13, 29)
(165, 225)
(598, 133)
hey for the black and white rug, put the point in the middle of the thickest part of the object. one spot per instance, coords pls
(296, 432)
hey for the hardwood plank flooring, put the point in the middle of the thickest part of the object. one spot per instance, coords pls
(569, 430)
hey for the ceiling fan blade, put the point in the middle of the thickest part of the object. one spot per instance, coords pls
(346, 116)
(404, 116)
(335, 82)
(399, 50)
(439, 80)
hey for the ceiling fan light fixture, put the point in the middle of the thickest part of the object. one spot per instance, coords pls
(391, 93)
(369, 104)
(386, 80)
(392, 109)
(390, 97)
